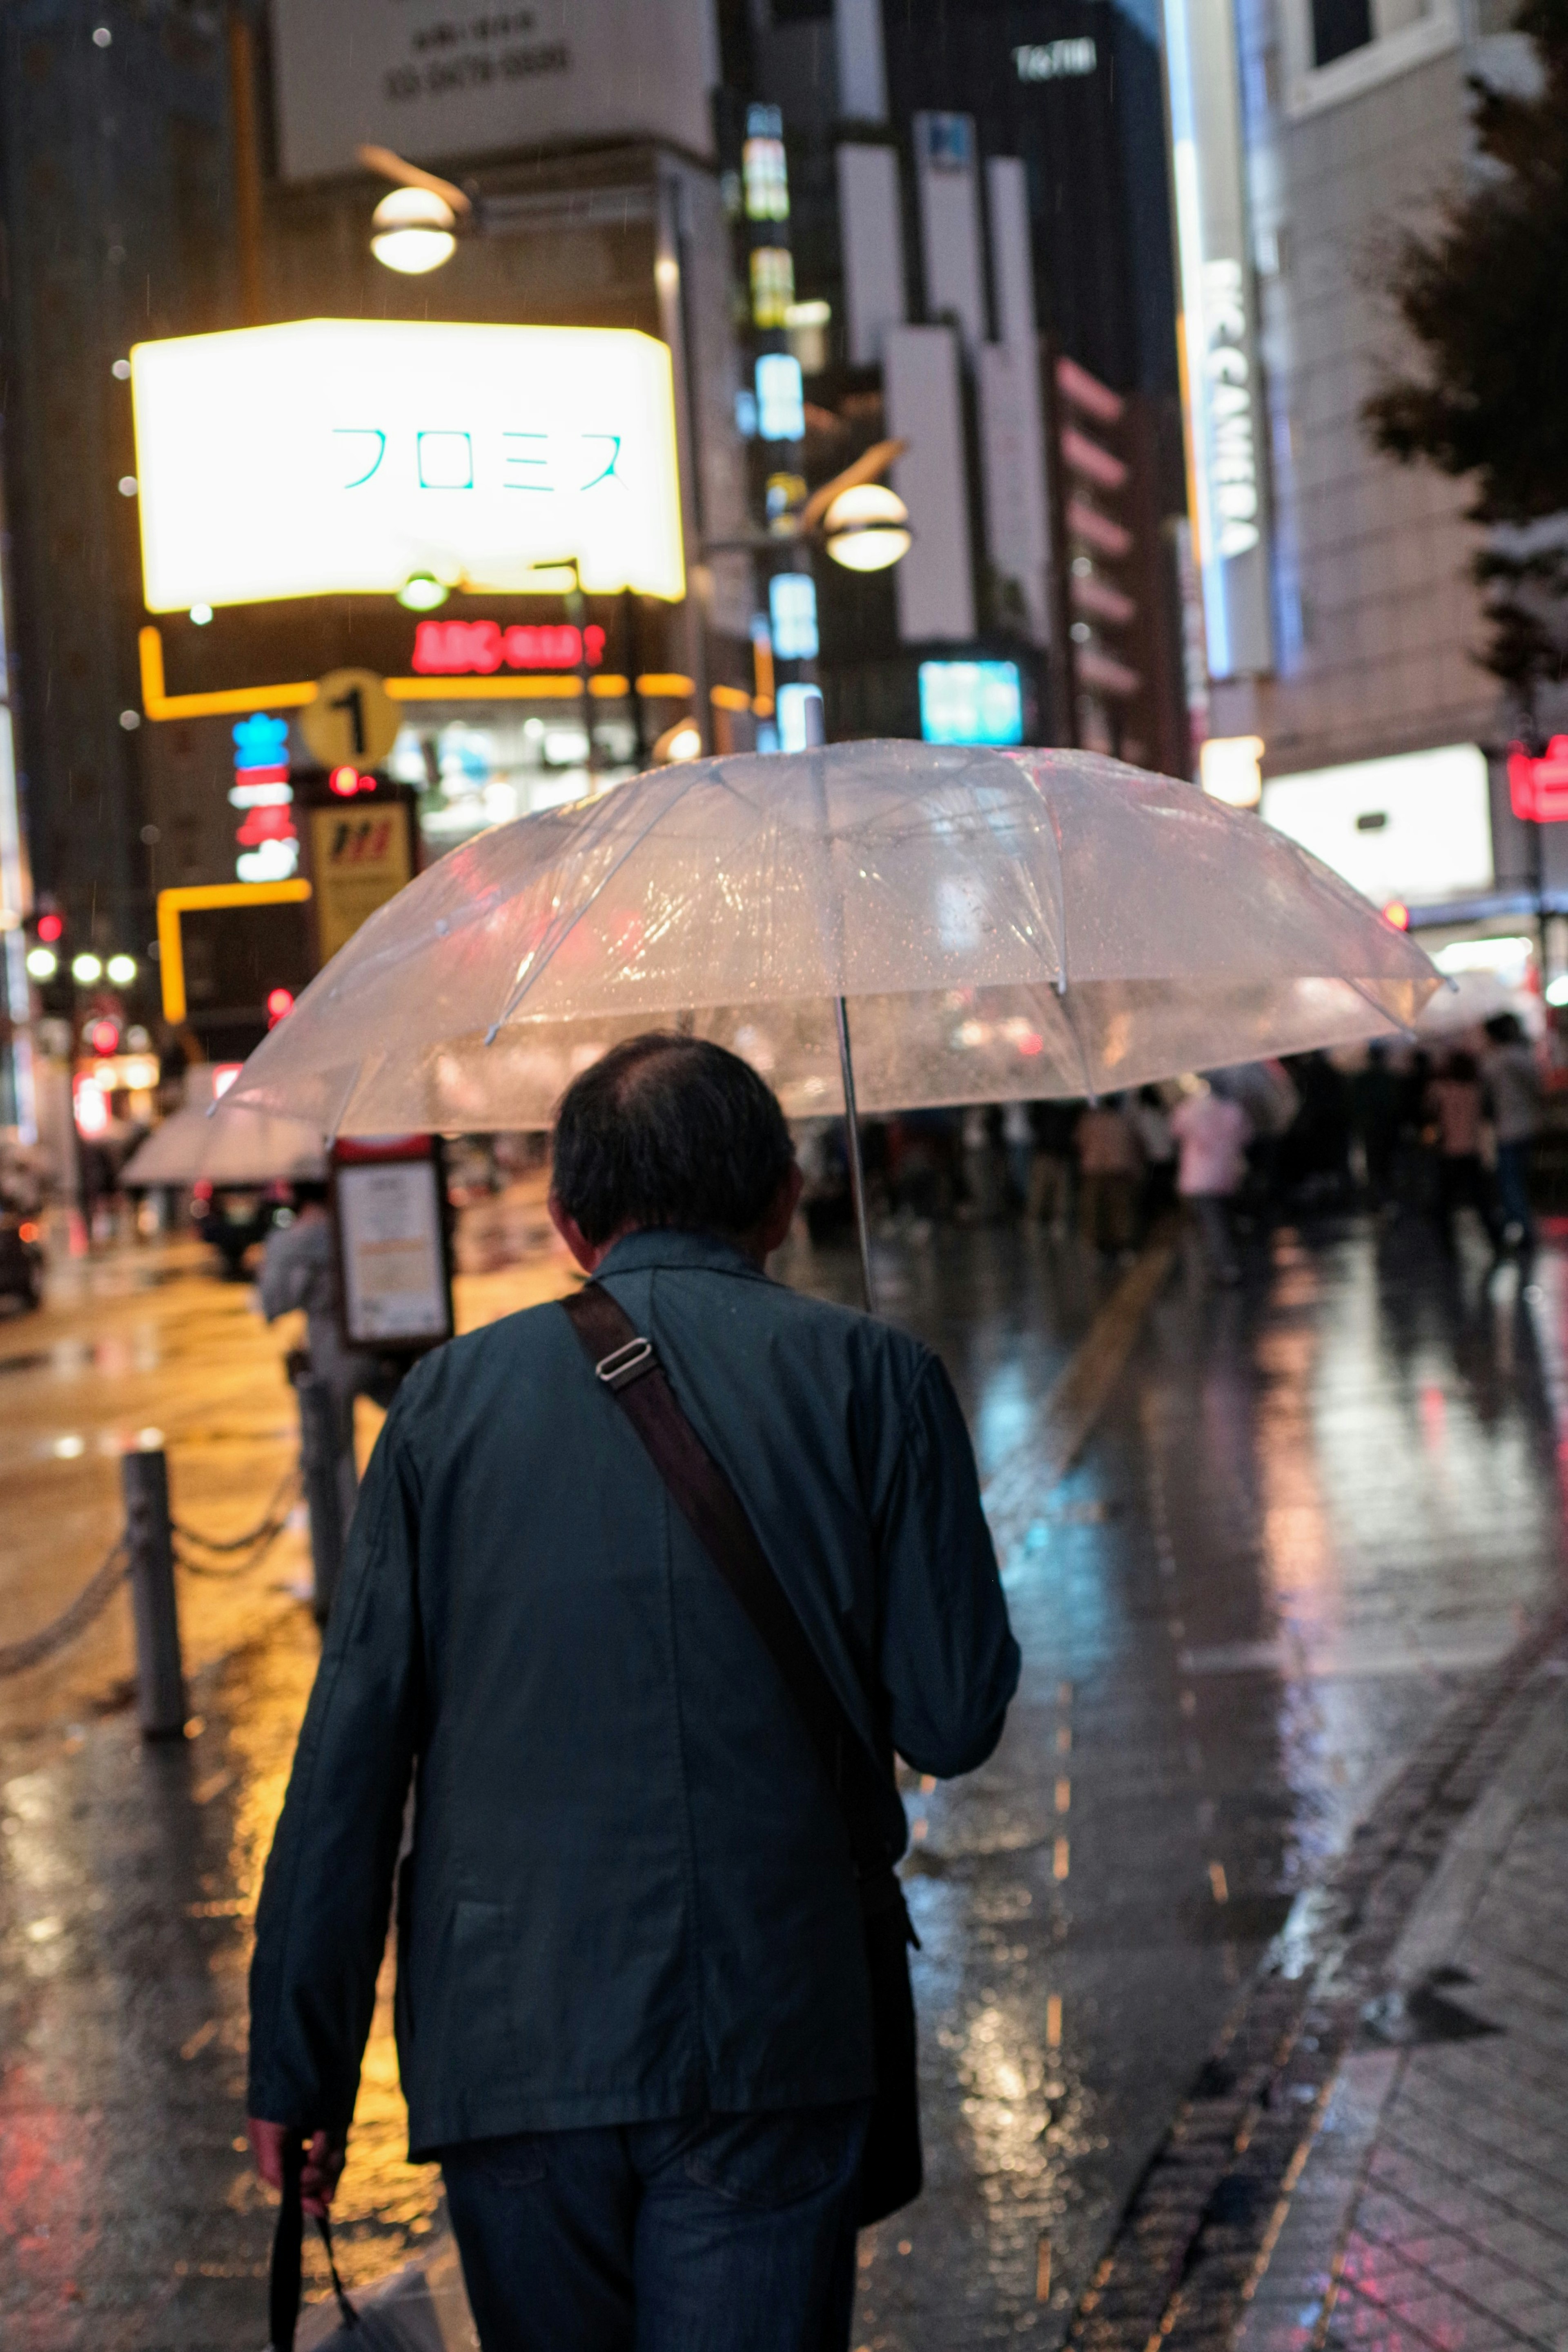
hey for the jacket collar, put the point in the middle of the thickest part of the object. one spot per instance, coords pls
(635, 1253)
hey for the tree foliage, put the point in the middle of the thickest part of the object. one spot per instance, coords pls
(1483, 296)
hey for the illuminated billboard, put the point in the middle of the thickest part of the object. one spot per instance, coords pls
(342, 456)
(1221, 383)
(1417, 827)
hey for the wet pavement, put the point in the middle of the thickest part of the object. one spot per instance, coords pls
(1307, 1518)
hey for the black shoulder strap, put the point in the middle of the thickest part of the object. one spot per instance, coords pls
(627, 1365)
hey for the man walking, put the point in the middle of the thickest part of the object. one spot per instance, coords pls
(634, 2011)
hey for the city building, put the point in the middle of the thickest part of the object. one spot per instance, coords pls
(981, 268)
(1341, 621)
(171, 171)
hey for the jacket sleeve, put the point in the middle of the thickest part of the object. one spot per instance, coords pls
(949, 1663)
(322, 1920)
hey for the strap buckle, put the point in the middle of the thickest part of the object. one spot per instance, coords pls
(624, 1365)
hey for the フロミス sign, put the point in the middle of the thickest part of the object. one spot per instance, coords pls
(442, 83)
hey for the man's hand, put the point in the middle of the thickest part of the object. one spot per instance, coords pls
(323, 2163)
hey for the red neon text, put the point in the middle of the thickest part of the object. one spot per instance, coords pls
(453, 648)
(1538, 789)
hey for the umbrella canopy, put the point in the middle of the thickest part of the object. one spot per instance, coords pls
(230, 1147)
(1012, 925)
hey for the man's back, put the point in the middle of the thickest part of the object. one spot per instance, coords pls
(629, 1894)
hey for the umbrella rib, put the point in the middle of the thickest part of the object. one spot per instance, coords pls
(519, 990)
(1366, 996)
(1065, 997)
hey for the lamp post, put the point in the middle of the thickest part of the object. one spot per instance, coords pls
(577, 613)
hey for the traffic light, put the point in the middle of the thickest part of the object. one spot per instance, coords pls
(48, 959)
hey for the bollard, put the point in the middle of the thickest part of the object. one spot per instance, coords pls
(160, 1678)
(321, 1445)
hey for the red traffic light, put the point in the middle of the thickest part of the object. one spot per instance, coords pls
(104, 1036)
(50, 927)
(347, 782)
(279, 1002)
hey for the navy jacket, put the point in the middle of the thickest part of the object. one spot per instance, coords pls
(629, 1895)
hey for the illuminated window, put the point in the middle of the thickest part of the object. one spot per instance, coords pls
(772, 285)
(781, 398)
(767, 179)
(792, 611)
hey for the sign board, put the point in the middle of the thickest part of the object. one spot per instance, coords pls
(342, 456)
(1416, 828)
(439, 83)
(352, 718)
(1222, 390)
(395, 1279)
(359, 854)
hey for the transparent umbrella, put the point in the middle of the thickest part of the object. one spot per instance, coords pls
(984, 925)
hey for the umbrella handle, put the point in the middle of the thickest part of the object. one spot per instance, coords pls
(852, 1145)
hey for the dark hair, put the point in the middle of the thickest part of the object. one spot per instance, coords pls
(1505, 1028)
(669, 1131)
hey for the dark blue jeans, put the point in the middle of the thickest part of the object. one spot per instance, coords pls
(711, 2233)
(1513, 1190)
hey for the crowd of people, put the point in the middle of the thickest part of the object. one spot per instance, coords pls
(1414, 1131)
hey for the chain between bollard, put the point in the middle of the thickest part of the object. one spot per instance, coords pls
(33, 1649)
(255, 1544)
(16, 1657)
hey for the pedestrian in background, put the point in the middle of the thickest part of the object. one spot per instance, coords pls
(1018, 1143)
(1455, 1108)
(1211, 1133)
(1151, 1122)
(982, 1164)
(1513, 1093)
(300, 1271)
(1054, 1125)
(1374, 1109)
(634, 1999)
(1110, 1166)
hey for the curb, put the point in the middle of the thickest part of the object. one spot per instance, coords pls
(1195, 2238)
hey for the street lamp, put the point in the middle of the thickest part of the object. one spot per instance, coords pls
(413, 231)
(867, 528)
(416, 225)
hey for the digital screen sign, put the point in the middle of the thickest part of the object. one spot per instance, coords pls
(971, 702)
(342, 456)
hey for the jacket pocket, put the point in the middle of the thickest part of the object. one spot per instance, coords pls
(480, 2039)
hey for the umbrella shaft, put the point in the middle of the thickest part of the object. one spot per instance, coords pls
(852, 1150)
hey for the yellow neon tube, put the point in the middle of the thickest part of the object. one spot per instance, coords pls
(173, 904)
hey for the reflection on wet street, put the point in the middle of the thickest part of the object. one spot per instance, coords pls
(1308, 1510)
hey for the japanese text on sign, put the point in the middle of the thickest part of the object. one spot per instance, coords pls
(344, 456)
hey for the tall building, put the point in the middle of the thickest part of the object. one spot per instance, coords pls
(115, 193)
(978, 218)
(173, 169)
(1343, 623)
